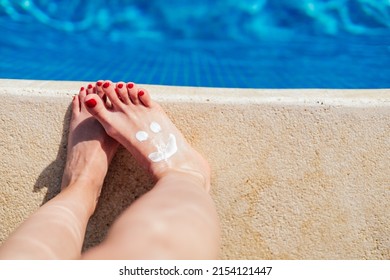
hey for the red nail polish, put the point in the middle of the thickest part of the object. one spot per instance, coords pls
(82, 88)
(89, 86)
(99, 84)
(91, 103)
(141, 92)
(120, 85)
(130, 85)
(106, 85)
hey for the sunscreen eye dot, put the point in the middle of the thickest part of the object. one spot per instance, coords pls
(141, 136)
(155, 127)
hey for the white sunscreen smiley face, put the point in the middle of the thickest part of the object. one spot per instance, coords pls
(164, 152)
(142, 136)
(155, 127)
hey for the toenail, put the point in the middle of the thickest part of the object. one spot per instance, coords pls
(89, 86)
(82, 88)
(120, 85)
(99, 84)
(106, 85)
(131, 85)
(141, 92)
(91, 103)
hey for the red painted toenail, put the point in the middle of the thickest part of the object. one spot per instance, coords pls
(91, 103)
(130, 85)
(120, 85)
(106, 85)
(99, 84)
(141, 92)
(82, 88)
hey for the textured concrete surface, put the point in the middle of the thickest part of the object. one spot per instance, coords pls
(297, 174)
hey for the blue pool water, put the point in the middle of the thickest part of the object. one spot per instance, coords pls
(221, 43)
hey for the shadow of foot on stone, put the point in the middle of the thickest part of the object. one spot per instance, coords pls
(124, 183)
(51, 177)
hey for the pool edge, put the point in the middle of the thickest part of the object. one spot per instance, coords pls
(297, 174)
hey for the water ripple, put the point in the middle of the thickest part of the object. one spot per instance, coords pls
(203, 19)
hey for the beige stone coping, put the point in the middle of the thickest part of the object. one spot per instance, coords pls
(297, 174)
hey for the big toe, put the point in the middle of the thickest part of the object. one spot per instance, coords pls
(95, 106)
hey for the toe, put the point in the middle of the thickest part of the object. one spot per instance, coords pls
(76, 105)
(144, 97)
(99, 83)
(99, 88)
(132, 90)
(81, 97)
(95, 106)
(109, 91)
(122, 93)
(82, 93)
(90, 89)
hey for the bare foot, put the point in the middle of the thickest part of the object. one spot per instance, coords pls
(143, 128)
(90, 150)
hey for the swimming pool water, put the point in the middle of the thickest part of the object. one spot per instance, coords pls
(231, 43)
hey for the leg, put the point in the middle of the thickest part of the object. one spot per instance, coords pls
(177, 218)
(56, 230)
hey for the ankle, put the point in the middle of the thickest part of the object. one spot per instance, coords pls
(82, 177)
(192, 176)
(82, 191)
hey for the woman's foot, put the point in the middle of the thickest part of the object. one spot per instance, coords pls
(90, 150)
(131, 117)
